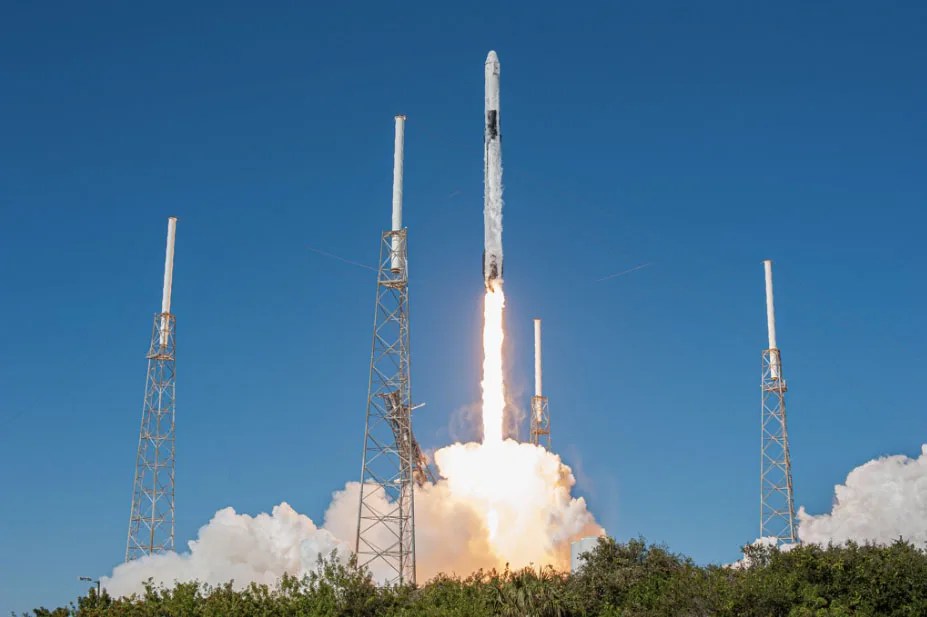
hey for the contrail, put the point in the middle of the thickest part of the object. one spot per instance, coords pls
(347, 261)
(623, 272)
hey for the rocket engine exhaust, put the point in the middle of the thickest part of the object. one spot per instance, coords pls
(492, 177)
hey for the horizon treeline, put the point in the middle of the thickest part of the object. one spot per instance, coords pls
(616, 579)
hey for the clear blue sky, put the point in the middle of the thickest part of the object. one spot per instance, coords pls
(702, 140)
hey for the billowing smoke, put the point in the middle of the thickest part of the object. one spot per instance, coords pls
(881, 501)
(495, 504)
(520, 493)
(234, 547)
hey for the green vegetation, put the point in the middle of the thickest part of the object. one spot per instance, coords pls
(628, 580)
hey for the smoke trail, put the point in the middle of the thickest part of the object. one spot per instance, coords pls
(880, 501)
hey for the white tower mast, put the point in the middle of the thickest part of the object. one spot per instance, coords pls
(151, 518)
(540, 414)
(777, 509)
(392, 462)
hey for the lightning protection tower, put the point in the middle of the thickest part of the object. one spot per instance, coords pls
(391, 457)
(540, 415)
(151, 520)
(777, 509)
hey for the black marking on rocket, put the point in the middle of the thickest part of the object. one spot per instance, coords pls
(492, 123)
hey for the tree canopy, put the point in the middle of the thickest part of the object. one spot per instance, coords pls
(630, 579)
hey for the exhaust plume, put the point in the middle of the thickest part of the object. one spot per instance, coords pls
(525, 515)
(880, 501)
(234, 547)
(492, 384)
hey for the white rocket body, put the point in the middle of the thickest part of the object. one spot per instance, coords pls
(492, 176)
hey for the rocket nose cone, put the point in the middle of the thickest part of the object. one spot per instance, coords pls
(492, 58)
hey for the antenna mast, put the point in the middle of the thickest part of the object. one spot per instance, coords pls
(392, 461)
(151, 519)
(540, 415)
(777, 509)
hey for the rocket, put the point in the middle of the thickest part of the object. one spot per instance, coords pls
(492, 177)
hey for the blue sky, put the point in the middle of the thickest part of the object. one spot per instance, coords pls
(701, 140)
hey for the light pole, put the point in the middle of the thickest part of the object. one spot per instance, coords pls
(90, 580)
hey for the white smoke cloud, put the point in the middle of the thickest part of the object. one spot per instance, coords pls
(881, 501)
(520, 493)
(234, 547)
(508, 503)
(449, 534)
(528, 489)
(746, 561)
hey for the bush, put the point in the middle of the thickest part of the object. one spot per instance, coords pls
(630, 579)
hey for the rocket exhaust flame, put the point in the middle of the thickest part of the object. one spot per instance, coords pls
(493, 384)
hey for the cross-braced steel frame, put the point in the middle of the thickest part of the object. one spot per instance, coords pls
(540, 422)
(391, 457)
(151, 520)
(777, 509)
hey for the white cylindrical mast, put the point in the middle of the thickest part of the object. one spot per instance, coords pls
(537, 358)
(169, 265)
(770, 308)
(771, 322)
(168, 277)
(398, 151)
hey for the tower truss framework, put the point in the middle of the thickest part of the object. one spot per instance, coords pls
(392, 460)
(151, 520)
(777, 509)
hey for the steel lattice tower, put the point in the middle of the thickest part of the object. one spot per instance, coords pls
(151, 520)
(777, 509)
(540, 414)
(386, 539)
(392, 460)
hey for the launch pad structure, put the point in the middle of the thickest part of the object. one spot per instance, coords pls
(151, 518)
(393, 463)
(777, 508)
